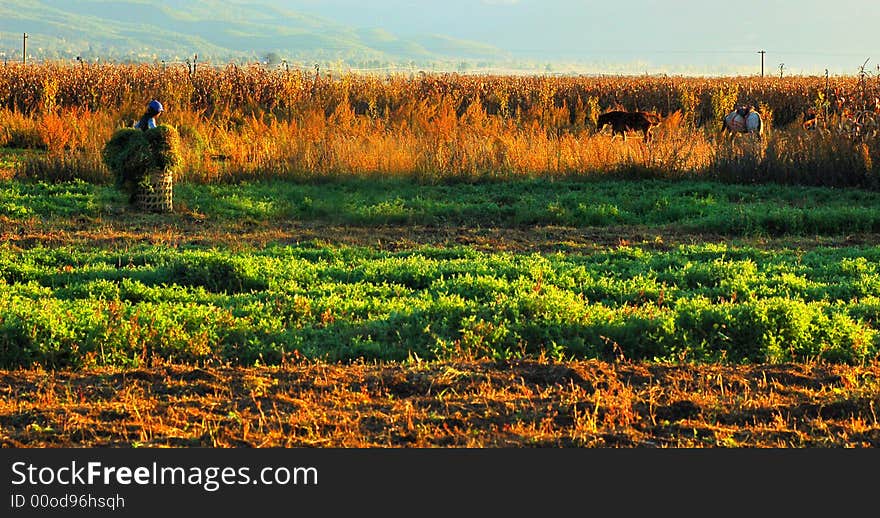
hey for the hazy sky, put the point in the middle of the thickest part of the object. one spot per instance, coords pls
(807, 36)
(618, 36)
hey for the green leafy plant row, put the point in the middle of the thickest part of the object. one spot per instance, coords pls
(737, 210)
(705, 303)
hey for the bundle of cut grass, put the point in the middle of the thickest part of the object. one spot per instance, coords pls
(143, 164)
(164, 142)
(128, 156)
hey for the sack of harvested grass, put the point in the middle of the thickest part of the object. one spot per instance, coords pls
(143, 163)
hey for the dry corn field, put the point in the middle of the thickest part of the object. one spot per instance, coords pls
(320, 136)
(244, 123)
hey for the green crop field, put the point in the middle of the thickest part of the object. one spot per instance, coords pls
(74, 306)
(677, 297)
(684, 207)
(132, 302)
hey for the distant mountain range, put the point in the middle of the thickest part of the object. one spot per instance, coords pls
(174, 30)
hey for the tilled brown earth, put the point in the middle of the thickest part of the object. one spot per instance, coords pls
(191, 229)
(474, 404)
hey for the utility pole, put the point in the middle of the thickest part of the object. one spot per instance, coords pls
(762, 52)
(781, 66)
(827, 102)
(24, 49)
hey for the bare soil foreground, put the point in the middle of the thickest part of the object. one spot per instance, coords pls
(421, 404)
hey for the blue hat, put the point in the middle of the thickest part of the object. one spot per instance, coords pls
(156, 106)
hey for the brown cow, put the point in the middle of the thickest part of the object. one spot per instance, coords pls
(622, 122)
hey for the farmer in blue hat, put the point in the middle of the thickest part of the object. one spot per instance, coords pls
(148, 120)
